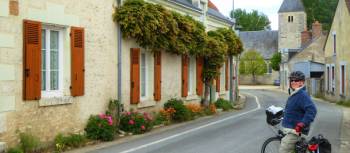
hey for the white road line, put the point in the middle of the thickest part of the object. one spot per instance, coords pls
(195, 129)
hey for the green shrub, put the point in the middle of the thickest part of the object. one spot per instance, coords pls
(344, 103)
(15, 150)
(136, 122)
(28, 142)
(160, 119)
(71, 141)
(224, 104)
(181, 112)
(100, 128)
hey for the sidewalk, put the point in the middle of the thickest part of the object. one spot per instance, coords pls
(345, 128)
(94, 147)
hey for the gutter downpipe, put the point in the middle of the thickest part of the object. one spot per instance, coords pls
(119, 54)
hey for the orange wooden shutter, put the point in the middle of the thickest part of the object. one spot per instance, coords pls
(218, 82)
(199, 78)
(32, 60)
(157, 75)
(77, 61)
(135, 76)
(226, 75)
(184, 76)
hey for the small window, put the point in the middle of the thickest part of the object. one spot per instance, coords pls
(328, 79)
(342, 79)
(333, 78)
(334, 43)
(52, 62)
(202, 5)
(290, 18)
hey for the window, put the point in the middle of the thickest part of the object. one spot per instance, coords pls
(191, 76)
(222, 77)
(52, 62)
(333, 78)
(290, 18)
(342, 79)
(328, 78)
(202, 5)
(143, 74)
(334, 43)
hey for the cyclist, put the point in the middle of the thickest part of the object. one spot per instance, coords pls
(299, 112)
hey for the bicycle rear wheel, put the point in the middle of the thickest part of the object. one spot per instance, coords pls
(271, 145)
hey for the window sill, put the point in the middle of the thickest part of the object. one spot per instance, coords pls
(146, 103)
(52, 101)
(192, 97)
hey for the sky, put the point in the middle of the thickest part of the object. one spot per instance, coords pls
(268, 7)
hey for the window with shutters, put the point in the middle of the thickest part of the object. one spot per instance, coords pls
(328, 79)
(222, 77)
(333, 78)
(342, 78)
(143, 75)
(192, 76)
(52, 62)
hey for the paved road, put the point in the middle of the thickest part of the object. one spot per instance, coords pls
(236, 132)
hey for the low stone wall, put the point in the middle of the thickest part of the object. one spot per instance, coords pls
(266, 79)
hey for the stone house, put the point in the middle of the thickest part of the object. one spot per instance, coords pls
(165, 76)
(59, 64)
(337, 55)
(266, 43)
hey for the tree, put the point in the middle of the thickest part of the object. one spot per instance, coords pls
(252, 63)
(251, 21)
(320, 10)
(276, 61)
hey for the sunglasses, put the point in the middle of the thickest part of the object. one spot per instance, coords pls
(294, 80)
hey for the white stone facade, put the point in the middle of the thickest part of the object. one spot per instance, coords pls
(48, 116)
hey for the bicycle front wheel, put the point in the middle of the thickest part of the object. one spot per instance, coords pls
(271, 145)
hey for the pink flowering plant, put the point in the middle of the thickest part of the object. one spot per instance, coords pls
(100, 127)
(136, 122)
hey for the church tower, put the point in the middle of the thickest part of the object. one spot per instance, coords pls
(292, 21)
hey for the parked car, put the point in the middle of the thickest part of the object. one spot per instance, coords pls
(276, 82)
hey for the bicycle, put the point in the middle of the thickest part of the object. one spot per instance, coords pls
(272, 144)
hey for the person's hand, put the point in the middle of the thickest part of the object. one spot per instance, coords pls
(299, 127)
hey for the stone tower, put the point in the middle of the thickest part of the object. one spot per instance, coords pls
(292, 21)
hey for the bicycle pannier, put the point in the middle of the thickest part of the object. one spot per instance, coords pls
(274, 115)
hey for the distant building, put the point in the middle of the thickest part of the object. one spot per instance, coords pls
(266, 43)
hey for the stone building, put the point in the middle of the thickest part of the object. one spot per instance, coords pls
(266, 43)
(337, 55)
(59, 65)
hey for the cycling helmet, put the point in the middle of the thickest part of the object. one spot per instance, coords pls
(297, 75)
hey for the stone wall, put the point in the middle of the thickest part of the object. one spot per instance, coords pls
(266, 79)
(290, 32)
(47, 117)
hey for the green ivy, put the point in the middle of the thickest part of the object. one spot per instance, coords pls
(158, 29)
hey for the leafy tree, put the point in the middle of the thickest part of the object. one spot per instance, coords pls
(252, 63)
(275, 61)
(251, 21)
(320, 10)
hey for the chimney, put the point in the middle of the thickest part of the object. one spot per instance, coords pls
(305, 37)
(316, 30)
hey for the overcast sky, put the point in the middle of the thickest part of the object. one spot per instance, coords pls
(268, 7)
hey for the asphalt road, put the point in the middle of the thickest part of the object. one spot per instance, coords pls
(241, 131)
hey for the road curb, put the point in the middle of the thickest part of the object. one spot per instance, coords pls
(345, 132)
(90, 148)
